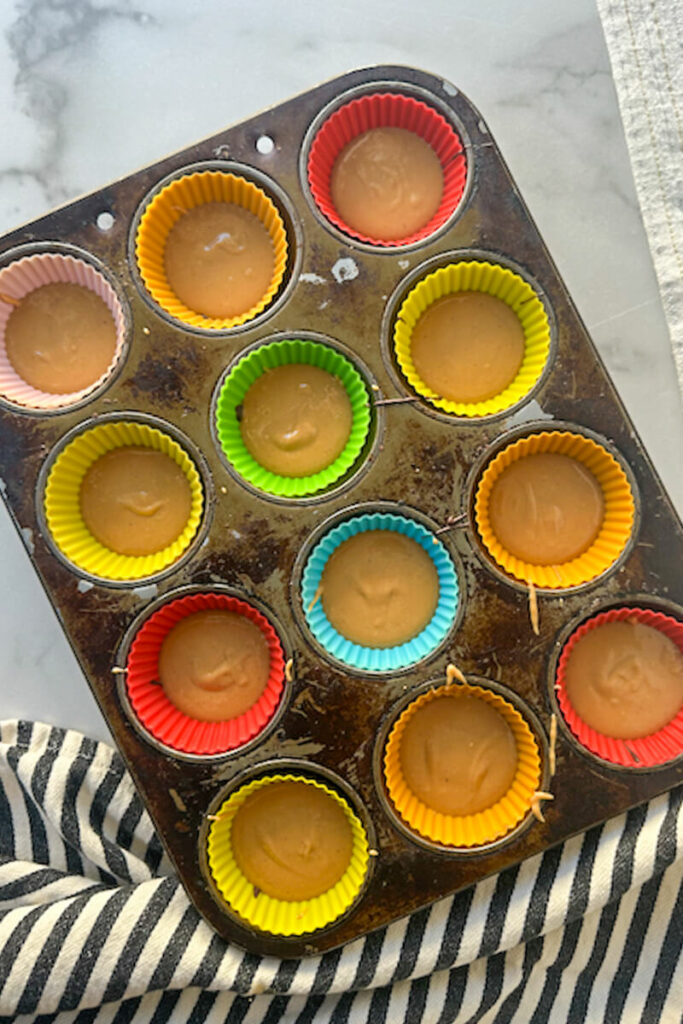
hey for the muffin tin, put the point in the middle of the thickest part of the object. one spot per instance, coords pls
(418, 462)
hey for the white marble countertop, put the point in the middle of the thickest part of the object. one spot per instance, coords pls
(92, 91)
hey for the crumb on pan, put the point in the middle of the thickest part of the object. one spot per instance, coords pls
(316, 597)
(289, 670)
(553, 741)
(533, 608)
(453, 672)
(536, 799)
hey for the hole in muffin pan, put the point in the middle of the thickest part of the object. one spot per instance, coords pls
(195, 458)
(401, 89)
(41, 263)
(304, 770)
(390, 718)
(406, 287)
(177, 595)
(362, 661)
(509, 438)
(625, 749)
(105, 220)
(255, 546)
(292, 233)
(264, 145)
(362, 462)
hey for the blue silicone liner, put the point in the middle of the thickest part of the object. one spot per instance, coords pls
(384, 659)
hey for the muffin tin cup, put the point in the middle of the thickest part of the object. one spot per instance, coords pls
(490, 279)
(240, 378)
(651, 751)
(155, 712)
(386, 110)
(266, 913)
(618, 520)
(23, 276)
(165, 208)
(468, 831)
(380, 659)
(61, 504)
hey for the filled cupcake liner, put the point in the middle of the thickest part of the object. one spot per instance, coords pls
(175, 199)
(27, 274)
(156, 712)
(387, 110)
(501, 283)
(618, 520)
(647, 751)
(241, 378)
(282, 917)
(62, 501)
(380, 659)
(466, 830)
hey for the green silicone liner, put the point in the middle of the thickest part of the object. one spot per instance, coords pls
(238, 382)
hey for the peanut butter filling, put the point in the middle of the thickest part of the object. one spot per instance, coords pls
(296, 419)
(546, 508)
(379, 588)
(387, 183)
(61, 338)
(135, 501)
(214, 665)
(291, 840)
(467, 347)
(458, 754)
(219, 259)
(625, 679)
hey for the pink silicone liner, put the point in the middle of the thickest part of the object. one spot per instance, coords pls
(647, 751)
(24, 276)
(387, 110)
(161, 718)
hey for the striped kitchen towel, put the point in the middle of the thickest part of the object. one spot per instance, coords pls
(95, 927)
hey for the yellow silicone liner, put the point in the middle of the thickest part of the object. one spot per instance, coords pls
(617, 524)
(492, 279)
(282, 917)
(62, 501)
(184, 194)
(467, 830)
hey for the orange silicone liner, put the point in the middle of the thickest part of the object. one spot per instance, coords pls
(467, 830)
(386, 110)
(268, 914)
(647, 751)
(27, 274)
(169, 204)
(163, 720)
(617, 524)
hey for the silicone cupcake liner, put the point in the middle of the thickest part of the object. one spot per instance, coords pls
(380, 659)
(501, 283)
(62, 501)
(387, 110)
(184, 194)
(23, 276)
(238, 382)
(467, 830)
(617, 524)
(282, 917)
(647, 751)
(161, 718)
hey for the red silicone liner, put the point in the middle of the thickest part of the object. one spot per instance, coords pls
(387, 110)
(647, 751)
(161, 718)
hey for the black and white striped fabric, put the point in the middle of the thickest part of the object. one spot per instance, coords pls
(95, 927)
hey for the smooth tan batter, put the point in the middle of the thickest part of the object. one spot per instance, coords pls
(219, 259)
(468, 347)
(625, 679)
(296, 419)
(546, 508)
(135, 501)
(379, 588)
(60, 338)
(387, 183)
(214, 665)
(458, 754)
(291, 840)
